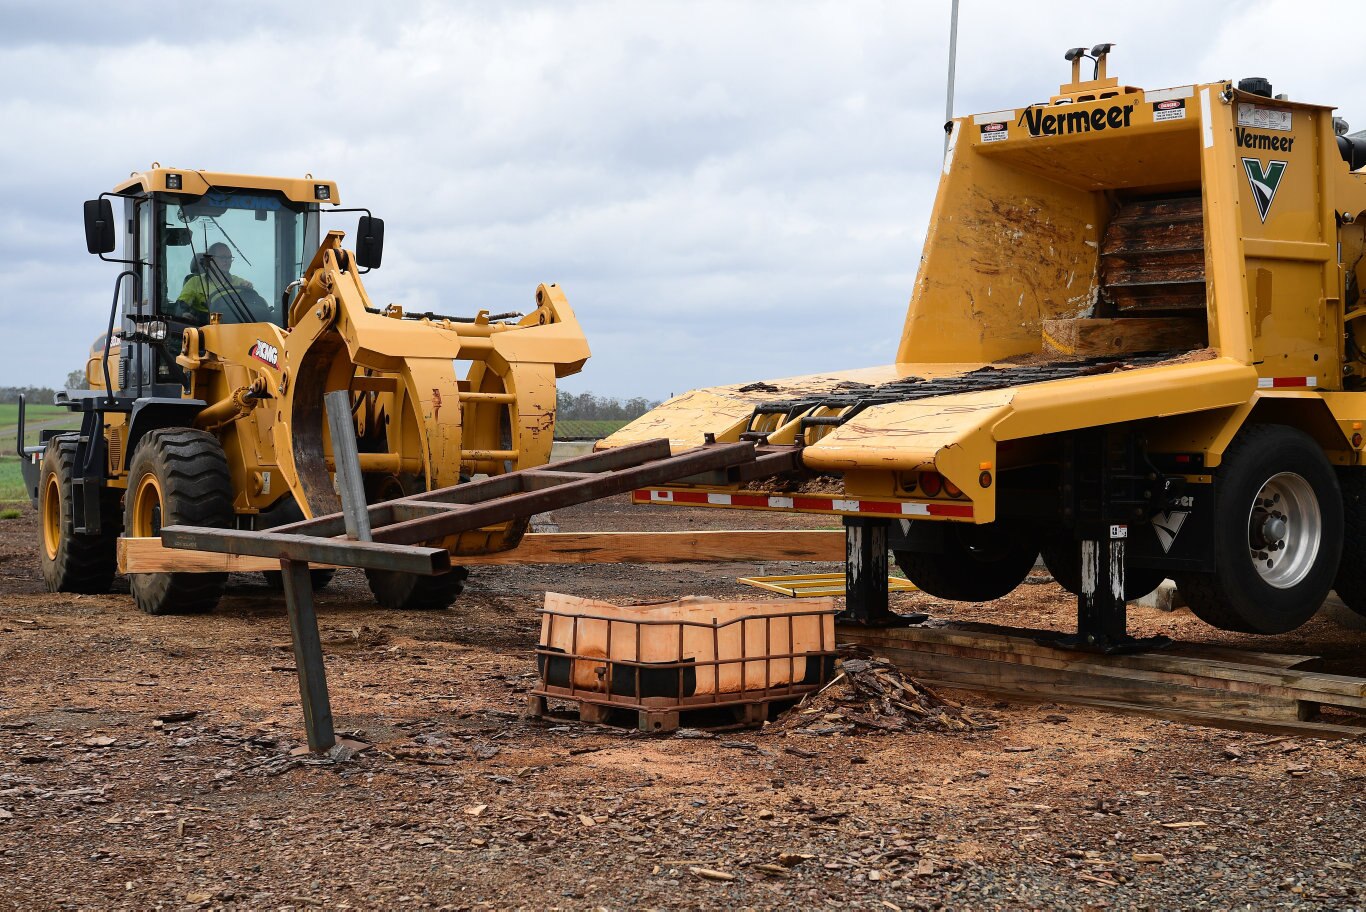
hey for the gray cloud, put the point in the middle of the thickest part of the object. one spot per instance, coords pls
(726, 191)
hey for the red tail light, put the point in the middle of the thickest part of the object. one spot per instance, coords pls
(952, 489)
(931, 483)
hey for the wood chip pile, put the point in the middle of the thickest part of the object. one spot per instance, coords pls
(871, 695)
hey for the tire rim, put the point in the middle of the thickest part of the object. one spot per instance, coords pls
(1284, 530)
(147, 508)
(52, 516)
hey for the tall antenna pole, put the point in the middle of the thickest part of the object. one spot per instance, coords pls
(953, 60)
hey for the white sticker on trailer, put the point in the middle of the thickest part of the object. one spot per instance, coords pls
(1264, 118)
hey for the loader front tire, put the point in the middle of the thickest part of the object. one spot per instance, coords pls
(976, 563)
(73, 562)
(1278, 530)
(410, 592)
(178, 476)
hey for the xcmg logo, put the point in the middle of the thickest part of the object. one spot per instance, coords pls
(268, 354)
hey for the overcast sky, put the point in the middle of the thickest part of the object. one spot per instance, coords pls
(726, 191)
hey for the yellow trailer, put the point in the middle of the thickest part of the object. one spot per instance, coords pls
(1136, 326)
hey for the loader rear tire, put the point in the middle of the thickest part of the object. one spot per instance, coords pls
(977, 563)
(73, 562)
(1278, 530)
(178, 476)
(1062, 556)
(410, 592)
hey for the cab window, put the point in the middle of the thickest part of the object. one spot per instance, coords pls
(231, 252)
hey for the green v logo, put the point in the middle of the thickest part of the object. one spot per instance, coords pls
(1264, 183)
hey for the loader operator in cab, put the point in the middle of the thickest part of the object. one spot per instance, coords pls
(213, 287)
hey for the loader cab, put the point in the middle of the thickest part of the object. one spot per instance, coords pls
(232, 252)
(200, 246)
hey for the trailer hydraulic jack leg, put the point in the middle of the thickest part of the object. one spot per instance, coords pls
(1097, 470)
(865, 576)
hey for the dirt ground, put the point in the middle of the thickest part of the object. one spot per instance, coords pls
(462, 804)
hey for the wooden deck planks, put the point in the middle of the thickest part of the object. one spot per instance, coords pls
(147, 555)
(1211, 686)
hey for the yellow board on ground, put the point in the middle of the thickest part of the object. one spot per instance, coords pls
(811, 585)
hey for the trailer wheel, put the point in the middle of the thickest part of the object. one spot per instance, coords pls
(1278, 528)
(977, 563)
(411, 592)
(1350, 583)
(178, 476)
(73, 562)
(1062, 556)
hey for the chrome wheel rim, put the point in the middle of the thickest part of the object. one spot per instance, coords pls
(1284, 530)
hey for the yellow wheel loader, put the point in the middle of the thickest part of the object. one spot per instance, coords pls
(234, 314)
(1135, 346)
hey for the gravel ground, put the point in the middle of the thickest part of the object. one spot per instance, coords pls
(112, 795)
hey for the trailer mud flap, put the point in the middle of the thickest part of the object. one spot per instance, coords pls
(1180, 538)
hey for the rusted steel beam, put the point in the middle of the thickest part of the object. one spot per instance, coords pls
(381, 514)
(528, 503)
(369, 555)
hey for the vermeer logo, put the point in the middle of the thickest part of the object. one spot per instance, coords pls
(1039, 123)
(267, 353)
(1264, 182)
(1246, 139)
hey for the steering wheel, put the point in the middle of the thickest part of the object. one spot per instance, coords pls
(236, 298)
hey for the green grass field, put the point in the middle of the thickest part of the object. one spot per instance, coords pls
(11, 482)
(36, 417)
(9, 413)
(586, 430)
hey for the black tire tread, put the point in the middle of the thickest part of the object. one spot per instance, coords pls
(1062, 557)
(411, 592)
(85, 564)
(1214, 597)
(197, 491)
(957, 575)
(1350, 581)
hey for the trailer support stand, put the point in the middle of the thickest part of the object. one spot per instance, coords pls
(308, 655)
(1102, 616)
(1096, 468)
(865, 575)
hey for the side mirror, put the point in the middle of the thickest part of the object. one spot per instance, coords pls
(369, 242)
(99, 226)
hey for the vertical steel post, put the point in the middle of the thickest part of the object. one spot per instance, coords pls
(953, 65)
(308, 655)
(1102, 617)
(346, 457)
(865, 571)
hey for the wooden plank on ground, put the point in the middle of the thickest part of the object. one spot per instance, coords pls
(1090, 337)
(1188, 682)
(147, 555)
